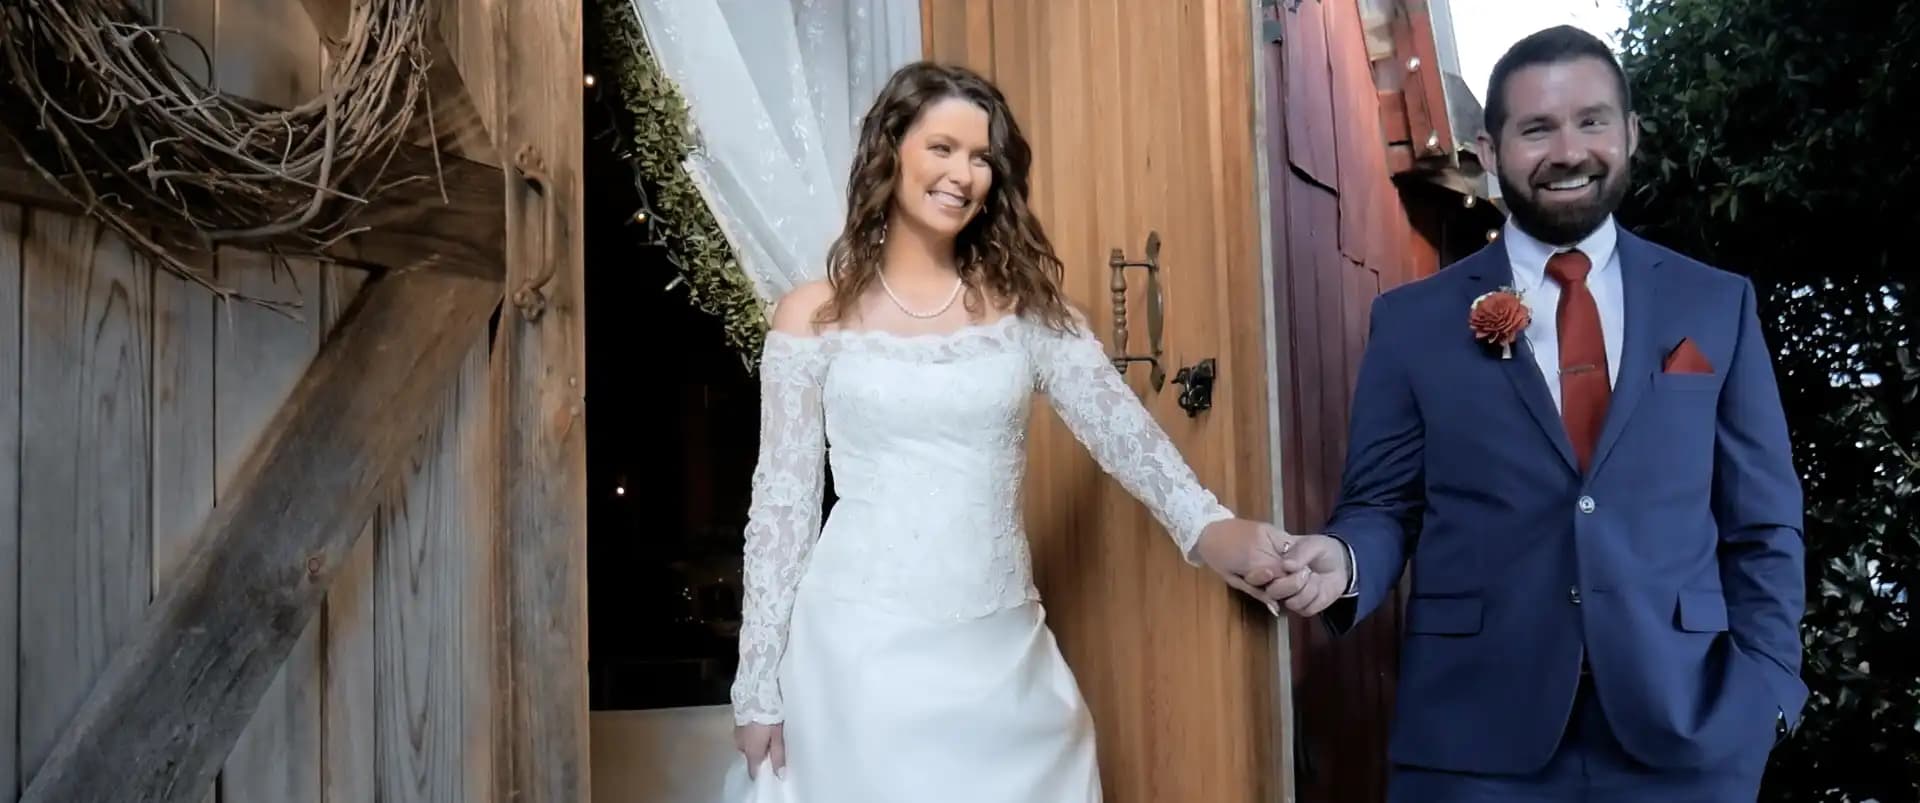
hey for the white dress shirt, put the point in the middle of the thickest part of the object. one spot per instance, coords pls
(1541, 294)
(1528, 257)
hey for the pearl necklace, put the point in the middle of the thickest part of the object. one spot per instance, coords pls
(951, 297)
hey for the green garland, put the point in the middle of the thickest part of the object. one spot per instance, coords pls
(660, 138)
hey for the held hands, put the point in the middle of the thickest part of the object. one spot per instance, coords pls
(1247, 555)
(1315, 573)
(1306, 573)
(761, 742)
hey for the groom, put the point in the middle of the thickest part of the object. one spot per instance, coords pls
(1603, 525)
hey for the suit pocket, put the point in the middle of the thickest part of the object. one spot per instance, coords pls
(1702, 610)
(1444, 616)
(1685, 382)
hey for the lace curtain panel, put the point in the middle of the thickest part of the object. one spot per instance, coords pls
(775, 90)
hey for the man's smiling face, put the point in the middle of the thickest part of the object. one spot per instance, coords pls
(1562, 155)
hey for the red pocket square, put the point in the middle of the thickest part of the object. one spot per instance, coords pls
(1687, 359)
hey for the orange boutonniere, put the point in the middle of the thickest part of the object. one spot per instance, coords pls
(1498, 317)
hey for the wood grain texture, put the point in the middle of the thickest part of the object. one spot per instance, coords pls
(466, 41)
(433, 739)
(1359, 139)
(539, 385)
(1310, 133)
(154, 728)
(12, 228)
(1271, 133)
(183, 344)
(1140, 113)
(261, 357)
(268, 51)
(84, 507)
(184, 323)
(349, 706)
(183, 419)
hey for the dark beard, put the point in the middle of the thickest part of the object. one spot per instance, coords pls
(1565, 225)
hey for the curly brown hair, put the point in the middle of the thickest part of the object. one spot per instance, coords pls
(1004, 250)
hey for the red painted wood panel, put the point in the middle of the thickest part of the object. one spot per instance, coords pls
(1310, 128)
(1344, 231)
(1359, 140)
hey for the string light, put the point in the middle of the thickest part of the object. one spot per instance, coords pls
(589, 79)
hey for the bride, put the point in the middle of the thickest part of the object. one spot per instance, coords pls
(901, 652)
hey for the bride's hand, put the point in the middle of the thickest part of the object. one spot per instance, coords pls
(758, 742)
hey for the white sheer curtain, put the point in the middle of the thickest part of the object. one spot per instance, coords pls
(776, 90)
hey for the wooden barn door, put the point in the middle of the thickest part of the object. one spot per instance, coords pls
(1141, 116)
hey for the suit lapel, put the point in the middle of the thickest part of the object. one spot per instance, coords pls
(1491, 270)
(1638, 353)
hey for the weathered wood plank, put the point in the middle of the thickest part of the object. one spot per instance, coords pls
(183, 419)
(349, 697)
(183, 416)
(465, 29)
(412, 224)
(11, 312)
(539, 385)
(183, 328)
(262, 357)
(173, 703)
(84, 517)
(483, 591)
(268, 51)
(431, 741)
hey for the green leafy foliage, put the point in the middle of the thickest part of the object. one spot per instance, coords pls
(656, 138)
(1772, 144)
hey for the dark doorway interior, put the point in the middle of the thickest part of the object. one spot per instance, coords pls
(672, 428)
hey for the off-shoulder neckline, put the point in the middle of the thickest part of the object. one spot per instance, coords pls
(968, 330)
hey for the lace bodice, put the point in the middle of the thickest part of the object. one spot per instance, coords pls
(928, 454)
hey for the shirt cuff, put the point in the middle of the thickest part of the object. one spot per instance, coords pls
(1353, 571)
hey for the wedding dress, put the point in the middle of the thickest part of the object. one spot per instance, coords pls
(905, 648)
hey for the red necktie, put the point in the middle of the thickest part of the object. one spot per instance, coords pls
(1583, 355)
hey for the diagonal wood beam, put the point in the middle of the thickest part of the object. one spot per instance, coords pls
(169, 708)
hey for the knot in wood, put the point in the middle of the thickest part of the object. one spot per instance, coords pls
(531, 302)
(528, 159)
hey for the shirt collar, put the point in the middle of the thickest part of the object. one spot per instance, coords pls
(1529, 255)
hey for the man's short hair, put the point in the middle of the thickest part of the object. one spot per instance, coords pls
(1556, 45)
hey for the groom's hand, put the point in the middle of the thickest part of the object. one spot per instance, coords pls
(1314, 574)
(1246, 554)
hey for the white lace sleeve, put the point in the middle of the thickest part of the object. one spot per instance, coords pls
(1105, 415)
(783, 516)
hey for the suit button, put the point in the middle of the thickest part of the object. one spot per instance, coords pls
(1573, 594)
(1586, 504)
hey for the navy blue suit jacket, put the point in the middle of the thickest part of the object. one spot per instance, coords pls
(1674, 565)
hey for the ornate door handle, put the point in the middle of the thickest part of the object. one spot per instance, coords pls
(1118, 264)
